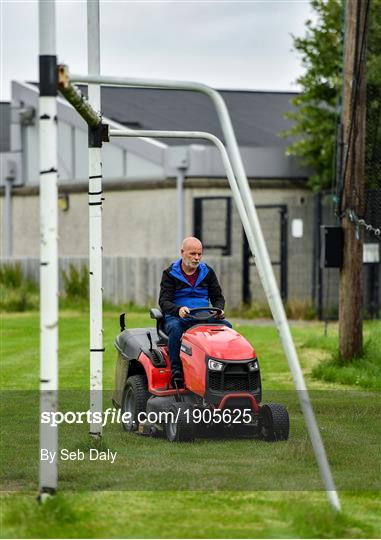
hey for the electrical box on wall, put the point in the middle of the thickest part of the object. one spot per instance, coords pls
(297, 228)
(331, 247)
(371, 253)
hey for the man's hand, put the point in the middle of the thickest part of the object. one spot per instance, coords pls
(183, 312)
(221, 315)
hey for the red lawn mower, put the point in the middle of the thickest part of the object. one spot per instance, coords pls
(221, 388)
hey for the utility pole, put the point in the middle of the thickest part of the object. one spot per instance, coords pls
(352, 202)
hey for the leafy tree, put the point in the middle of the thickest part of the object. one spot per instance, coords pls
(317, 106)
(373, 112)
(316, 115)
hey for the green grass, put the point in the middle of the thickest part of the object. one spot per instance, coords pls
(295, 309)
(191, 515)
(213, 488)
(364, 371)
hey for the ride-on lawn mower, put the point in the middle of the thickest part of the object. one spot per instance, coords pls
(221, 386)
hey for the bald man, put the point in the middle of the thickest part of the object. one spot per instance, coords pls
(188, 283)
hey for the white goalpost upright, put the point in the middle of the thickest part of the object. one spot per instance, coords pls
(95, 221)
(48, 244)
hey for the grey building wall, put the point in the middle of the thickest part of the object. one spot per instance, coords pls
(143, 223)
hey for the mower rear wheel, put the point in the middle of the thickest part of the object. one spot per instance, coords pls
(134, 400)
(179, 427)
(274, 423)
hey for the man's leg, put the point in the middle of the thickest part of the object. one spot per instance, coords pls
(174, 328)
(220, 321)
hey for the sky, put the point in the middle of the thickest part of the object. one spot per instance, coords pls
(236, 44)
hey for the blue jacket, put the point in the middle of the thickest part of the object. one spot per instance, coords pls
(176, 291)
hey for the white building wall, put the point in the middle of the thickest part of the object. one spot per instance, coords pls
(65, 152)
(140, 223)
(81, 145)
(135, 223)
(113, 161)
(139, 168)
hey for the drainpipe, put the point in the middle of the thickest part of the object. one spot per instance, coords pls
(8, 229)
(180, 203)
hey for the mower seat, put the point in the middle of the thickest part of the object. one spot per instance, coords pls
(155, 313)
(130, 343)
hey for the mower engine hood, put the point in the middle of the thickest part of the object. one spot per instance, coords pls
(219, 341)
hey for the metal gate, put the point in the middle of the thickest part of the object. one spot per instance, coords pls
(273, 220)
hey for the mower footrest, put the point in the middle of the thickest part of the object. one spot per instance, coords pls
(170, 392)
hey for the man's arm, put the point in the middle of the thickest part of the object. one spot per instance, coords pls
(167, 291)
(215, 293)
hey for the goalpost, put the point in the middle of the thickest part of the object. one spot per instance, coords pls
(242, 195)
(48, 242)
(95, 222)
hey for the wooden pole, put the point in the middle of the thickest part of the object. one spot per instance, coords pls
(352, 204)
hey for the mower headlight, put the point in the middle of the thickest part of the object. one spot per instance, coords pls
(214, 365)
(253, 366)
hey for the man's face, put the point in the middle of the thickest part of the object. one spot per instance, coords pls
(191, 255)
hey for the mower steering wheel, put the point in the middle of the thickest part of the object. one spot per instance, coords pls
(204, 313)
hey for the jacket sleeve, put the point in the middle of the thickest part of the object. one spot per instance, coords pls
(167, 291)
(215, 293)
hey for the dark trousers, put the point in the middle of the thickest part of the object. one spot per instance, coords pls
(175, 327)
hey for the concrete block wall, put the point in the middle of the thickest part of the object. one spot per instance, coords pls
(142, 223)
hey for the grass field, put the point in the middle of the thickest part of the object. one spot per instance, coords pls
(234, 488)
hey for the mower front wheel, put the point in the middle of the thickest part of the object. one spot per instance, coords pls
(179, 426)
(274, 423)
(134, 400)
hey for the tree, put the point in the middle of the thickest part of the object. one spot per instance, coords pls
(373, 120)
(316, 115)
(317, 106)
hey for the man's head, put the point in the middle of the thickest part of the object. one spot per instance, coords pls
(191, 253)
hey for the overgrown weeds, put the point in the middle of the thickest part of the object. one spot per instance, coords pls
(17, 292)
(76, 284)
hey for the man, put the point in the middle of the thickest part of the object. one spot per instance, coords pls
(187, 283)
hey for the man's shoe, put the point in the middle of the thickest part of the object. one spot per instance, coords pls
(177, 378)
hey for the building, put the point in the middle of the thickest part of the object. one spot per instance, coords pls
(140, 212)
